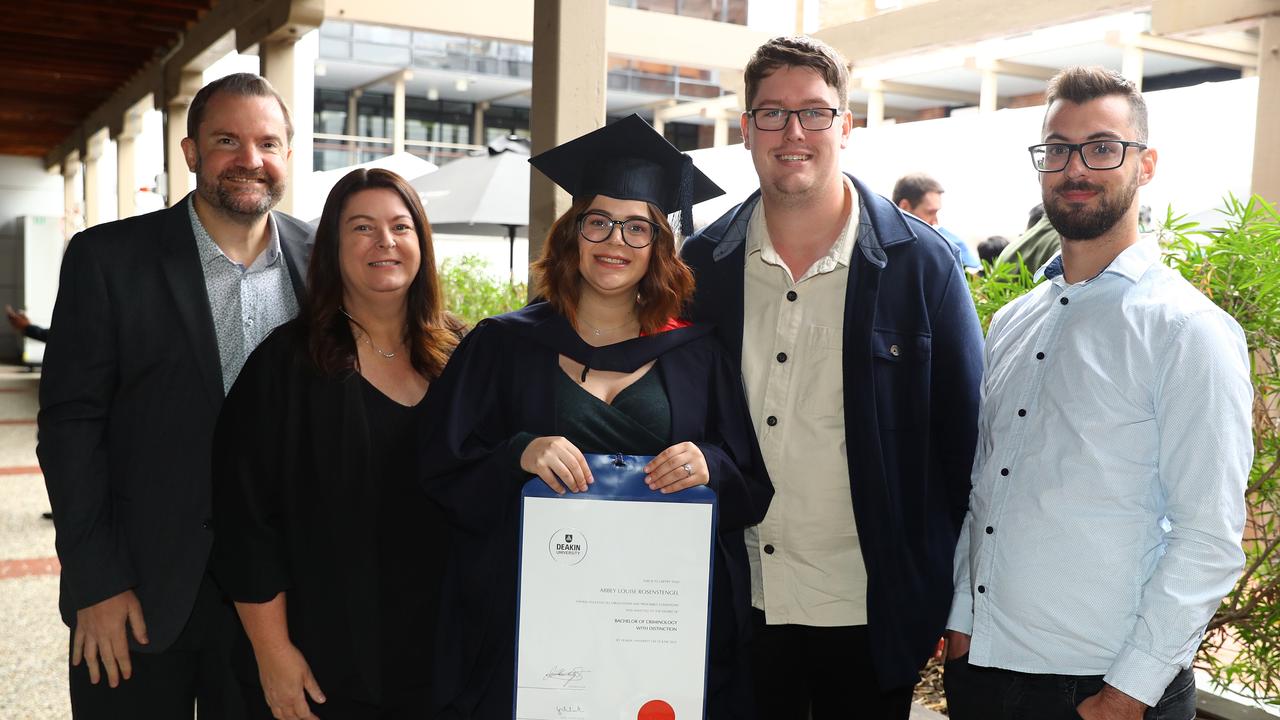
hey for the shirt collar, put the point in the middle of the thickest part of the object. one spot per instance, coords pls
(1132, 263)
(841, 252)
(208, 249)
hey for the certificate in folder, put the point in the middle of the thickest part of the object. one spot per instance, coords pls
(615, 596)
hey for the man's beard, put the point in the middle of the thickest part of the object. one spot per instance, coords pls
(239, 206)
(1077, 222)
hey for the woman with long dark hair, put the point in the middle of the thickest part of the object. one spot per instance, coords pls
(603, 365)
(324, 538)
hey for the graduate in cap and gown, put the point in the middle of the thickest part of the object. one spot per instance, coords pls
(602, 364)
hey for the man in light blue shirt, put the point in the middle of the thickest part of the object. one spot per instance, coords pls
(1114, 446)
(921, 195)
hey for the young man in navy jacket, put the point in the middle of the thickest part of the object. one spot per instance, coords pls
(861, 355)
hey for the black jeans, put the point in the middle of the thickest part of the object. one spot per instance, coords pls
(982, 693)
(819, 673)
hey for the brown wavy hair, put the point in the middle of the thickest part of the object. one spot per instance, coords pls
(431, 332)
(664, 290)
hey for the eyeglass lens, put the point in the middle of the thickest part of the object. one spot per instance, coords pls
(636, 232)
(777, 118)
(1097, 155)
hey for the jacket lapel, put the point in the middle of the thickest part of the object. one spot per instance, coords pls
(296, 241)
(181, 263)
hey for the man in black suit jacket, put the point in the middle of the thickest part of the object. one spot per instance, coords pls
(155, 316)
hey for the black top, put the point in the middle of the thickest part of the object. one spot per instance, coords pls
(314, 495)
(638, 422)
(408, 578)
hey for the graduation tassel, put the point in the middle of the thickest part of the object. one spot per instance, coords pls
(685, 197)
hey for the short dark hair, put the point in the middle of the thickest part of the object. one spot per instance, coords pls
(1034, 215)
(664, 290)
(431, 332)
(798, 51)
(990, 249)
(1080, 84)
(913, 187)
(241, 84)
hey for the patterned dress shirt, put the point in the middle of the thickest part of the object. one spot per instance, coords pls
(247, 303)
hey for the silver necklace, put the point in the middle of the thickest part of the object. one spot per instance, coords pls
(603, 331)
(367, 337)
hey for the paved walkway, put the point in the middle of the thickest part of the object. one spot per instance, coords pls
(33, 640)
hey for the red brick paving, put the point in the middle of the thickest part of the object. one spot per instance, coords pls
(11, 569)
(20, 470)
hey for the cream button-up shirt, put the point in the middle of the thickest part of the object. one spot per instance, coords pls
(806, 562)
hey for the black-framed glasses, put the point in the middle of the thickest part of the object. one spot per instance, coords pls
(596, 227)
(1096, 154)
(772, 119)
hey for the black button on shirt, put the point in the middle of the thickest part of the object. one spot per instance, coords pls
(771, 421)
(768, 549)
(1039, 356)
(1004, 472)
(990, 529)
(791, 295)
(782, 357)
(1064, 301)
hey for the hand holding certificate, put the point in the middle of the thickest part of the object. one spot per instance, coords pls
(614, 598)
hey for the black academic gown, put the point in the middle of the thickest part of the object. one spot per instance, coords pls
(497, 392)
(295, 509)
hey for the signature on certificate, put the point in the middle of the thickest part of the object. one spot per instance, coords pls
(568, 676)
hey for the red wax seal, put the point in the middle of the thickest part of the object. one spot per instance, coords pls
(656, 710)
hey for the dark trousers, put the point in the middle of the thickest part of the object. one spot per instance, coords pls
(981, 693)
(337, 708)
(823, 673)
(194, 674)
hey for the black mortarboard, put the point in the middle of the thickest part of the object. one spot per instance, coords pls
(629, 160)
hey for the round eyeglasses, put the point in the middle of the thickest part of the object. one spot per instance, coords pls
(1096, 154)
(596, 227)
(772, 119)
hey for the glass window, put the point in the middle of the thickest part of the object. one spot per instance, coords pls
(335, 28)
(381, 34)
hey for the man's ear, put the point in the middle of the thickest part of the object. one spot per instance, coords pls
(190, 152)
(1147, 166)
(744, 124)
(905, 204)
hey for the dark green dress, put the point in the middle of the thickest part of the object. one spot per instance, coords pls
(637, 423)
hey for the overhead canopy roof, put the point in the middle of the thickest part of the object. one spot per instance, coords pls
(61, 59)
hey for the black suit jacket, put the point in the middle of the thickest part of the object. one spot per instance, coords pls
(912, 367)
(130, 391)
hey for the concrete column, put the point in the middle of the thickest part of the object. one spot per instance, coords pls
(988, 96)
(177, 176)
(92, 191)
(1266, 141)
(397, 117)
(569, 62)
(721, 136)
(659, 124)
(72, 220)
(288, 63)
(875, 108)
(127, 164)
(353, 123)
(1131, 64)
(477, 123)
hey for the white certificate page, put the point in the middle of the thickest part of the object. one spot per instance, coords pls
(613, 609)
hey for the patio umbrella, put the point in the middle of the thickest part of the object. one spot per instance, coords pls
(482, 195)
(316, 189)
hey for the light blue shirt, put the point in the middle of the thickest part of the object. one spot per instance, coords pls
(1107, 508)
(968, 258)
(247, 303)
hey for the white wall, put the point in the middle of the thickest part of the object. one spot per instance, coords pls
(26, 189)
(982, 162)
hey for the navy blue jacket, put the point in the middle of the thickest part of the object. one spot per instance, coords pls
(912, 368)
